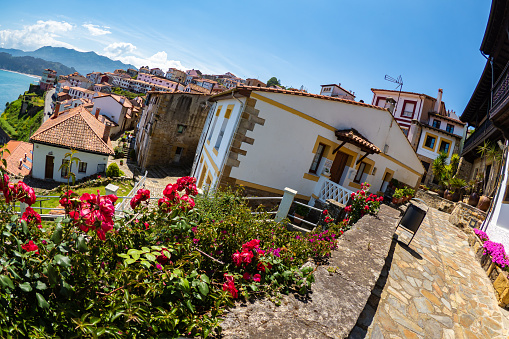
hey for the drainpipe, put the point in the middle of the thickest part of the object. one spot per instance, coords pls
(236, 126)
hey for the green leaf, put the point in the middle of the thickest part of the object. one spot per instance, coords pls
(185, 284)
(129, 261)
(62, 260)
(41, 301)
(134, 251)
(204, 288)
(52, 275)
(145, 249)
(205, 278)
(125, 256)
(254, 287)
(56, 237)
(25, 287)
(82, 244)
(146, 264)
(7, 234)
(40, 285)
(5, 281)
(150, 257)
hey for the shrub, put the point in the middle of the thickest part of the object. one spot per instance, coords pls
(113, 171)
(362, 204)
(119, 152)
(168, 271)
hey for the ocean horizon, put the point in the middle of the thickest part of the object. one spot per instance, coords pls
(12, 85)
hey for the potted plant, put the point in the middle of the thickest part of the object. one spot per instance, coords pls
(409, 193)
(300, 212)
(439, 171)
(121, 162)
(397, 197)
(456, 185)
(488, 152)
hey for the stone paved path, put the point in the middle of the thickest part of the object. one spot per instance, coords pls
(437, 289)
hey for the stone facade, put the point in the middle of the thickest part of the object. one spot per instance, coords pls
(173, 129)
(463, 213)
(429, 173)
(433, 200)
(464, 169)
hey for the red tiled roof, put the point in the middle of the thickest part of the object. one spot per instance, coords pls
(75, 128)
(243, 89)
(354, 137)
(17, 150)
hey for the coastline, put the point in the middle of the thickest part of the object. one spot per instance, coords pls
(29, 75)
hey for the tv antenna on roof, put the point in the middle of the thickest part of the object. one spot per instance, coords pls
(399, 81)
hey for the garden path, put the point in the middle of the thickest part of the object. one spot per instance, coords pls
(437, 289)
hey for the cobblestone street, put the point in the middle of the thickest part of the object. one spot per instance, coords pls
(437, 289)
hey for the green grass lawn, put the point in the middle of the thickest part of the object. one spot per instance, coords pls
(123, 190)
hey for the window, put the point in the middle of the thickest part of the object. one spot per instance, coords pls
(405, 131)
(64, 172)
(408, 108)
(380, 102)
(181, 129)
(214, 124)
(82, 167)
(221, 134)
(317, 158)
(385, 182)
(450, 128)
(436, 123)
(360, 172)
(430, 142)
(444, 147)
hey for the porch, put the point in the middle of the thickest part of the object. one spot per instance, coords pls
(327, 189)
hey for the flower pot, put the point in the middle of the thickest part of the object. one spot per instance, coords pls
(408, 197)
(440, 192)
(484, 203)
(473, 200)
(456, 196)
(297, 221)
(395, 200)
(448, 195)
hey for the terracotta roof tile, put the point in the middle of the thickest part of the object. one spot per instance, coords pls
(285, 91)
(75, 128)
(354, 137)
(18, 150)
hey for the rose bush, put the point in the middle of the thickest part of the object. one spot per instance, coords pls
(362, 204)
(167, 270)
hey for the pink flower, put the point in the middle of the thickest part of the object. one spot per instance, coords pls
(257, 277)
(246, 276)
(246, 256)
(325, 212)
(31, 216)
(229, 286)
(237, 259)
(250, 245)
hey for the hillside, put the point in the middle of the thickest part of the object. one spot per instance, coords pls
(84, 62)
(31, 65)
(20, 125)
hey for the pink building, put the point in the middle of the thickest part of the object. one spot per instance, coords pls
(48, 79)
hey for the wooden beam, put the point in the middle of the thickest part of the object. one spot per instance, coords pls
(365, 155)
(337, 148)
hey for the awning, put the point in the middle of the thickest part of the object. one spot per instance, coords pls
(353, 137)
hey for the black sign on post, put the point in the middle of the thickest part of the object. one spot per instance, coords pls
(412, 219)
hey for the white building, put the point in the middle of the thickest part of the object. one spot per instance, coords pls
(117, 109)
(336, 91)
(77, 129)
(267, 139)
(78, 93)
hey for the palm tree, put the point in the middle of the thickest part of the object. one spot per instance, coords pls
(489, 151)
(439, 168)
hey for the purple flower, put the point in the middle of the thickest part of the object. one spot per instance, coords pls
(194, 229)
(482, 235)
(196, 241)
(159, 267)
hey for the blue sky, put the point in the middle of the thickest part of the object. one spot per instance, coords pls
(432, 44)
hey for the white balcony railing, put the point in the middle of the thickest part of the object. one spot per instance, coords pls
(326, 189)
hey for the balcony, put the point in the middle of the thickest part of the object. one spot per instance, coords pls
(481, 133)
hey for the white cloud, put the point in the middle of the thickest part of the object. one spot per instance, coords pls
(118, 49)
(96, 30)
(42, 33)
(123, 51)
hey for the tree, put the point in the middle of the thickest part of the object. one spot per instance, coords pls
(273, 82)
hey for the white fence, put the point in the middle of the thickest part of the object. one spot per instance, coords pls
(326, 189)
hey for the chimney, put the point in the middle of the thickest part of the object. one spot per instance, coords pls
(438, 104)
(57, 109)
(390, 103)
(97, 110)
(106, 135)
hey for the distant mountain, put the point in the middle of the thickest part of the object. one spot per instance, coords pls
(84, 62)
(31, 65)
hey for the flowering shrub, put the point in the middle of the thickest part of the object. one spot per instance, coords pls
(481, 234)
(362, 204)
(497, 253)
(167, 271)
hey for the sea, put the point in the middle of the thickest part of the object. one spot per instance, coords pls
(13, 84)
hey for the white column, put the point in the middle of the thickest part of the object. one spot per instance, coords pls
(286, 203)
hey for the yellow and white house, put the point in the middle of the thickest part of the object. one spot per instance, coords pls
(323, 147)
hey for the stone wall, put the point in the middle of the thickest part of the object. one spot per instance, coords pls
(464, 169)
(433, 200)
(462, 214)
(178, 122)
(339, 294)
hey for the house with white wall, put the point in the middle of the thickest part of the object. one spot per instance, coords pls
(267, 139)
(336, 91)
(72, 129)
(116, 108)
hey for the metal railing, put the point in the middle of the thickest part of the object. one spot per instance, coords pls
(125, 200)
(479, 135)
(500, 89)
